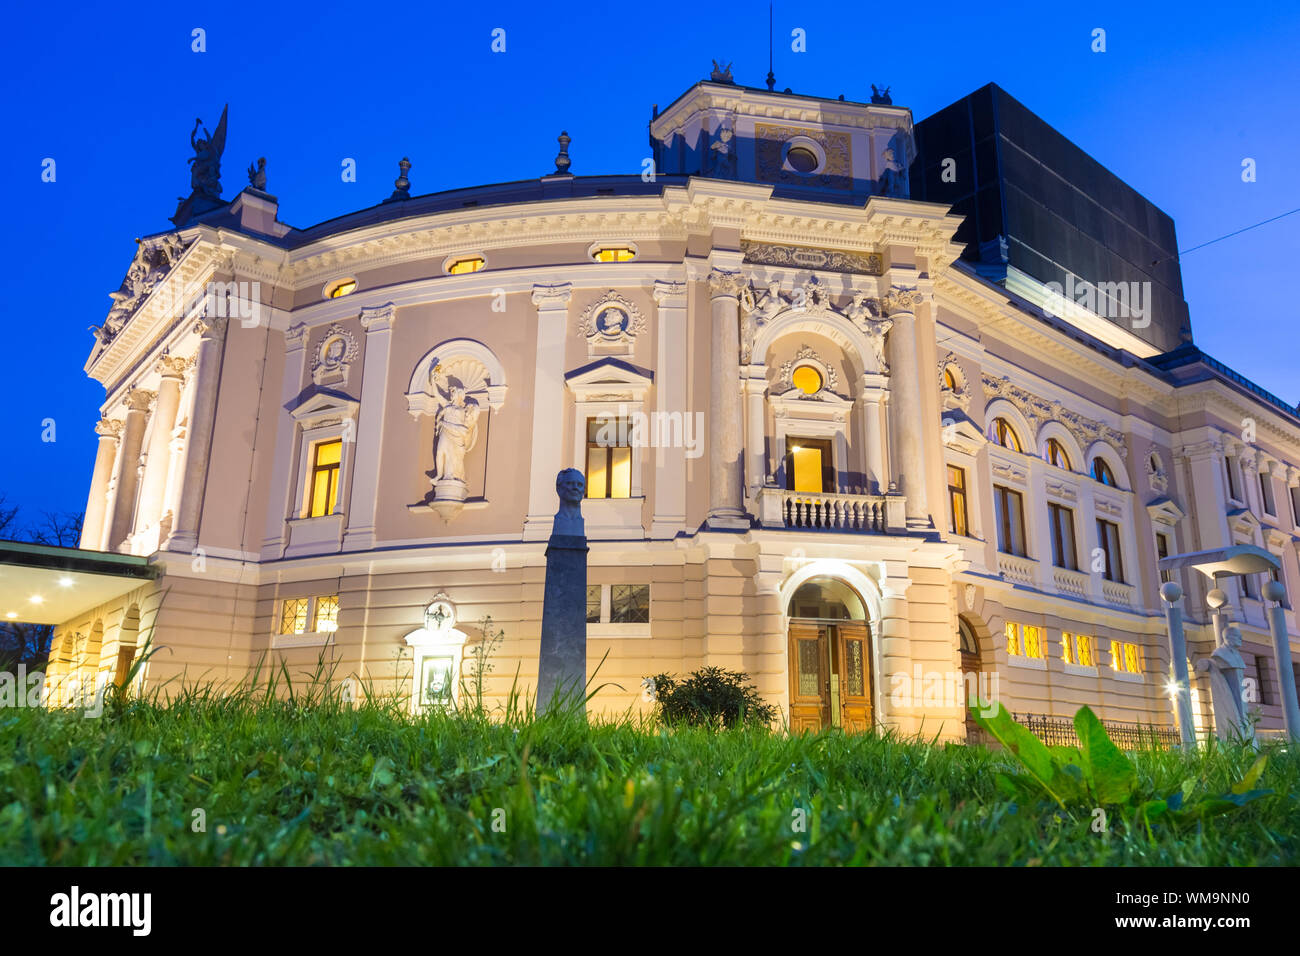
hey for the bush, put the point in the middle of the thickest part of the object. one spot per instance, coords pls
(710, 697)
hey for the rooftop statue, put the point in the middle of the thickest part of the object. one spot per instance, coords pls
(257, 175)
(205, 171)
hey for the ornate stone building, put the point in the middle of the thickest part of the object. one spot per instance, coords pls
(821, 447)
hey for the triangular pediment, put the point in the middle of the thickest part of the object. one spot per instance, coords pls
(322, 406)
(609, 379)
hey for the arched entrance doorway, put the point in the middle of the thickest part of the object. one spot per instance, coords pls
(126, 644)
(970, 670)
(830, 657)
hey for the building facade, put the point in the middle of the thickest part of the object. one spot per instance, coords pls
(820, 446)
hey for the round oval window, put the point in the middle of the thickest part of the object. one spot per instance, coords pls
(807, 379)
(802, 159)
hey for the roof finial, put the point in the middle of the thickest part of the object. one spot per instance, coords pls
(771, 77)
(403, 190)
(562, 161)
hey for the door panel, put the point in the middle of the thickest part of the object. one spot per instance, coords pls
(809, 708)
(854, 666)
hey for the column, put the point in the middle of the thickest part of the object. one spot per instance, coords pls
(282, 484)
(127, 474)
(755, 387)
(872, 430)
(360, 534)
(158, 455)
(726, 510)
(185, 529)
(92, 528)
(552, 303)
(907, 426)
(670, 399)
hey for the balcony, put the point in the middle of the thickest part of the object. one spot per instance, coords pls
(863, 514)
(1118, 593)
(1018, 569)
(1073, 583)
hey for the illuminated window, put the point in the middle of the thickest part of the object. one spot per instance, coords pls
(1125, 657)
(326, 617)
(808, 466)
(1056, 454)
(468, 264)
(949, 380)
(807, 379)
(323, 481)
(613, 254)
(1108, 540)
(293, 616)
(629, 604)
(322, 612)
(609, 457)
(340, 288)
(1078, 649)
(1024, 640)
(1101, 472)
(1005, 435)
(957, 499)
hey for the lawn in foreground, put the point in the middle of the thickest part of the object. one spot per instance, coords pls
(240, 781)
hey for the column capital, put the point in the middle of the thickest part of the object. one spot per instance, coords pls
(899, 301)
(723, 283)
(295, 337)
(173, 366)
(212, 328)
(109, 428)
(666, 291)
(138, 399)
(548, 297)
(378, 318)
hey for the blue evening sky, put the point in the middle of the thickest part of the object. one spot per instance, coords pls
(1182, 94)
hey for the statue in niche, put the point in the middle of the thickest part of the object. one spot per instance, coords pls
(722, 154)
(893, 178)
(455, 428)
(876, 330)
(1225, 668)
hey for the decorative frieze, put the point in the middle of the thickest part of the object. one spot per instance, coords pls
(1039, 411)
(806, 257)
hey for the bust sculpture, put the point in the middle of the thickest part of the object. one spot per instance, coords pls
(571, 486)
(1225, 668)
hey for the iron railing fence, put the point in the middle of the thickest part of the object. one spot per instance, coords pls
(1060, 731)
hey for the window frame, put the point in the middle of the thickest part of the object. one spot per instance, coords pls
(599, 422)
(1002, 430)
(1116, 562)
(1055, 512)
(958, 493)
(305, 638)
(606, 627)
(1056, 455)
(1124, 671)
(1001, 517)
(1101, 464)
(1017, 646)
(1071, 644)
(314, 468)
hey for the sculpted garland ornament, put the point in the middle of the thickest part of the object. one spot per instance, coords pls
(1039, 411)
(611, 324)
(337, 351)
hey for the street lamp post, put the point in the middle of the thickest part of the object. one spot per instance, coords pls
(1275, 591)
(1172, 593)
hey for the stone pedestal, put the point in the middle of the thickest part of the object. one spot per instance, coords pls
(449, 496)
(562, 666)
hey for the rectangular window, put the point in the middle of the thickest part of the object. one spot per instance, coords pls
(1266, 493)
(1248, 586)
(609, 457)
(323, 482)
(1108, 541)
(1011, 520)
(593, 603)
(808, 466)
(326, 617)
(1265, 678)
(1125, 657)
(1162, 552)
(293, 616)
(957, 499)
(1078, 649)
(1230, 465)
(629, 604)
(1064, 554)
(1295, 506)
(1025, 640)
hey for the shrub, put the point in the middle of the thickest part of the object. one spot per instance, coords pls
(710, 697)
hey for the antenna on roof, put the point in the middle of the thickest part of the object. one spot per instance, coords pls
(771, 77)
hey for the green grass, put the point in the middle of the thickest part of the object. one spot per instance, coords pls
(315, 781)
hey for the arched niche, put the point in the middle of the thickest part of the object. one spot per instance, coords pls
(465, 362)
(816, 321)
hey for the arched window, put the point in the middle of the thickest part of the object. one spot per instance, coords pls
(1005, 435)
(1101, 471)
(1056, 454)
(966, 638)
(828, 599)
(949, 380)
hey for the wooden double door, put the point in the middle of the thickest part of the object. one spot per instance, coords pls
(830, 675)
